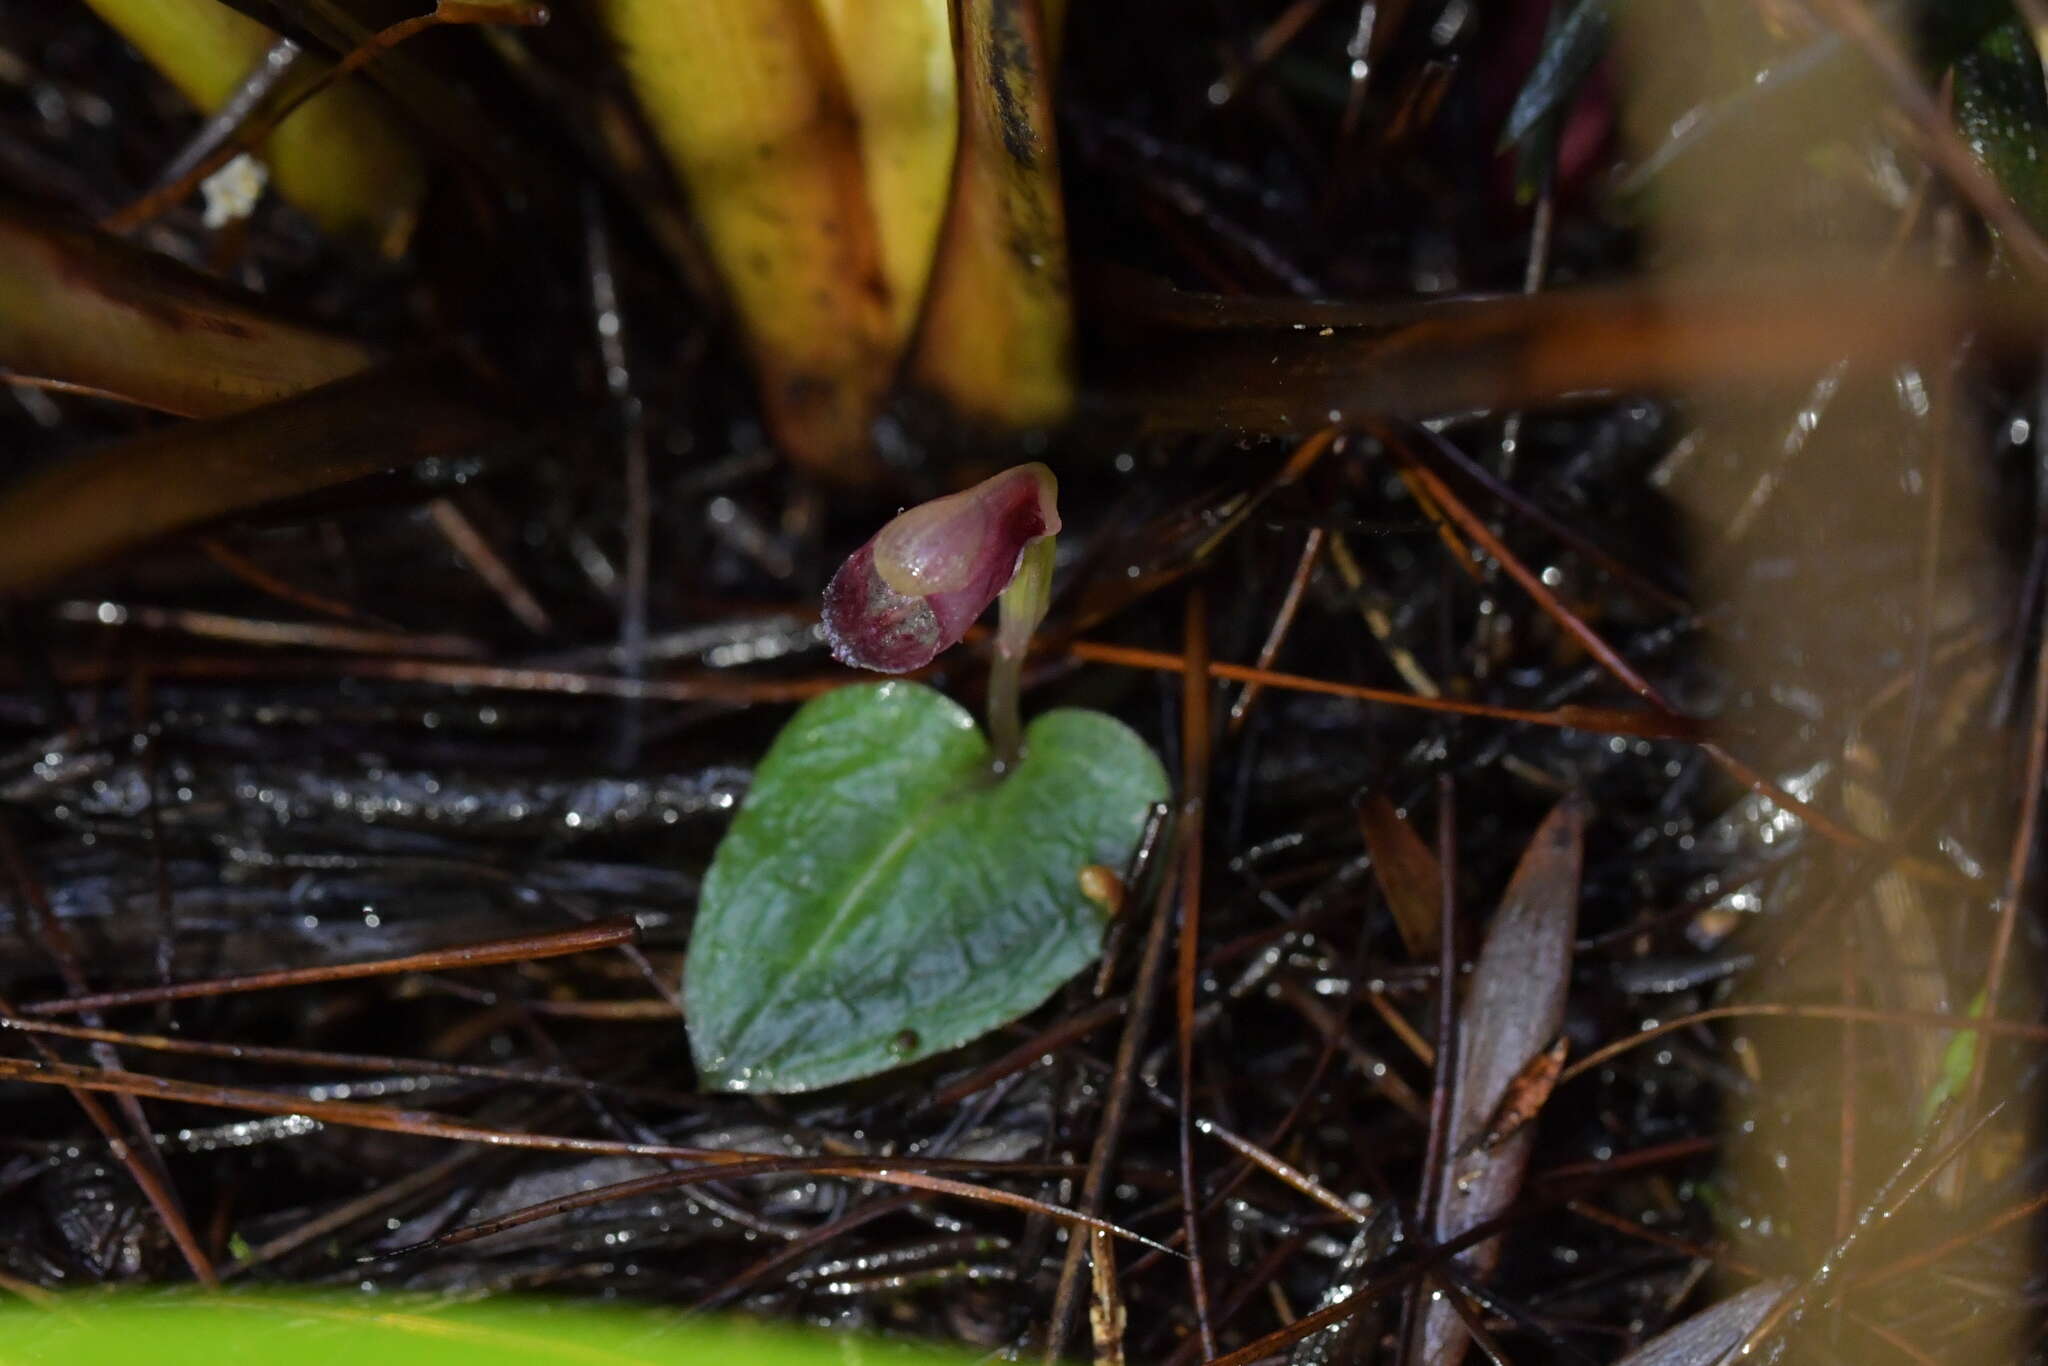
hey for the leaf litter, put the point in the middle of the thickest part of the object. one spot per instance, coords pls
(199, 785)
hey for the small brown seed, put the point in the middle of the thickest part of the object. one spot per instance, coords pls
(1103, 887)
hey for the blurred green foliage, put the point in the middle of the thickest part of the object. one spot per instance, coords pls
(2001, 106)
(189, 1328)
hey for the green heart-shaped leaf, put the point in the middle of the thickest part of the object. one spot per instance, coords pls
(882, 897)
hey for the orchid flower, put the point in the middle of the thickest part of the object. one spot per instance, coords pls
(919, 583)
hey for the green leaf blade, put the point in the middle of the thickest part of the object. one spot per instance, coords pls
(186, 1327)
(882, 898)
(1571, 47)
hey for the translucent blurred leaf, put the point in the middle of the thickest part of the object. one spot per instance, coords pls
(883, 896)
(100, 503)
(81, 309)
(1188, 361)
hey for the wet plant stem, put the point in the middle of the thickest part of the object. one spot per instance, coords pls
(1019, 610)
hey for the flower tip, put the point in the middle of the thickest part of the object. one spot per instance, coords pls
(870, 625)
(922, 580)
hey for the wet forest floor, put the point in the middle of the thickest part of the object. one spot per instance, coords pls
(1647, 635)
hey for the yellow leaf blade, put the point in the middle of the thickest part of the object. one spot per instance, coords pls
(897, 60)
(343, 157)
(746, 100)
(998, 331)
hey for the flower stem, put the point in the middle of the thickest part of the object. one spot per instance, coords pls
(1020, 608)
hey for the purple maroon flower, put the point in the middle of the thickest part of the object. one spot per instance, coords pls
(922, 580)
